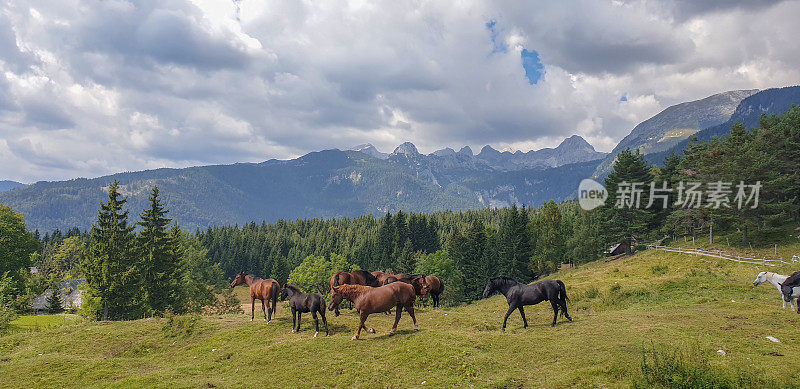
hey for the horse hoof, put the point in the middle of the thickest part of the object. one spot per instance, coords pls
(293, 331)
(416, 327)
(251, 319)
(315, 334)
(354, 338)
(392, 331)
(502, 330)
(371, 330)
(269, 321)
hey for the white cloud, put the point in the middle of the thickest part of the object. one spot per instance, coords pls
(90, 87)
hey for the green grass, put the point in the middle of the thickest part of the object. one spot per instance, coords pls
(684, 308)
(40, 322)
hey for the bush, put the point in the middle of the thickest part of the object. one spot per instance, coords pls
(54, 301)
(179, 325)
(441, 265)
(7, 315)
(314, 273)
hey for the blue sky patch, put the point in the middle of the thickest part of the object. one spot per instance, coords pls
(534, 70)
(498, 46)
(623, 98)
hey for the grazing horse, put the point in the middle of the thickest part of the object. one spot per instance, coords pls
(304, 303)
(433, 286)
(264, 290)
(370, 300)
(356, 277)
(787, 287)
(776, 280)
(518, 295)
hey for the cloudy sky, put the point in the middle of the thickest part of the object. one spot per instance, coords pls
(90, 87)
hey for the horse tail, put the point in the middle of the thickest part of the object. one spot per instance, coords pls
(274, 293)
(562, 291)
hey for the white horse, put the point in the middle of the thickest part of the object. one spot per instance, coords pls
(777, 279)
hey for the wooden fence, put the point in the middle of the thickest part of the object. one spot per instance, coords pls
(718, 254)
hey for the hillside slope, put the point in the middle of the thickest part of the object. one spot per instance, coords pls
(621, 308)
(676, 123)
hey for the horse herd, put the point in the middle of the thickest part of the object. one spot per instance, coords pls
(379, 292)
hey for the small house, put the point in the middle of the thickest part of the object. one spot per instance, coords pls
(71, 295)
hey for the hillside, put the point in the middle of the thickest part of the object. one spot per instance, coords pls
(676, 123)
(622, 309)
(771, 102)
(8, 185)
(323, 184)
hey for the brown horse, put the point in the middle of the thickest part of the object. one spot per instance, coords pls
(382, 276)
(264, 290)
(356, 277)
(370, 300)
(433, 286)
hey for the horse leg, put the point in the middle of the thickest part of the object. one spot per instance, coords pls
(298, 320)
(252, 308)
(362, 319)
(269, 312)
(555, 312)
(511, 308)
(294, 320)
(399, 309)
(563, 304)
(316, 322)
(264, 309)
(524, 320)
(410, 311)
(324, 320)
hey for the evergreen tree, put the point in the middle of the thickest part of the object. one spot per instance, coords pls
(624, 216)
(549, 247)
(112, 274)
(406, 261)
(159, 253)
(54, 301)
(515, 245)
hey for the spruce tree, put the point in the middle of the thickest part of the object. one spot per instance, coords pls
(54, 301)
(622, 223)
(158, 250)
(112, 274)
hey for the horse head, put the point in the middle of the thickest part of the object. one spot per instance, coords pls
(336, 299)
(491, 287)
(760, 279)
(786, 291)
(239, 279)
(421, 284)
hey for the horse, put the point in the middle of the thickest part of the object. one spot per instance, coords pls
(264, 290)
(787, 287)
(776, 280)
(370, 300)
(518, 295)
(304, 303)
(434, 286)
(382, 276)
(356, 277)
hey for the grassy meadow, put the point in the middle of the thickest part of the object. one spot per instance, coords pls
(669, 313)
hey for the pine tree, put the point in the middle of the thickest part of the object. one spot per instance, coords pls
(112, 274)
(54, 301)
(549, 237)
(406, 262)
(157, 249)
(623, 223)
(515, 245)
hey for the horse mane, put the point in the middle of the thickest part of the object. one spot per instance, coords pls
(504, 280)
(349, 289)
(292, 288)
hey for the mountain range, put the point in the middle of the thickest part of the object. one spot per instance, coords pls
(364, 180)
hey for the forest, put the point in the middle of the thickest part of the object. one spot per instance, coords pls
(149, 267)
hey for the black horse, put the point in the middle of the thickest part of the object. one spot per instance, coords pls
(304, 303)
(519, 295)
(788, 285)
